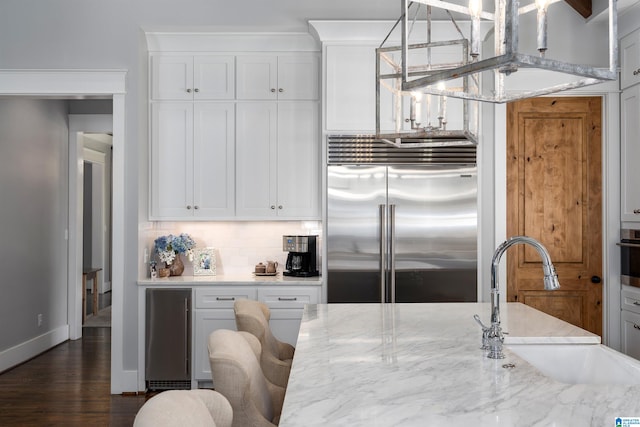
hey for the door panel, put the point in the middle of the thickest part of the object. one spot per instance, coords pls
(354, 194)
(435, 232)
(554, 195)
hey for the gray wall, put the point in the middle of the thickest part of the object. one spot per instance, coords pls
(33, 217)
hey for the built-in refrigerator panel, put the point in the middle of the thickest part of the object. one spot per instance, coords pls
(401, 222)
(355, 194)
(432, 232)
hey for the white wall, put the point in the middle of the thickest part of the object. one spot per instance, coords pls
(33, 253)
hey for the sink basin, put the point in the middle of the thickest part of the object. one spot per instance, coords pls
(581, 363)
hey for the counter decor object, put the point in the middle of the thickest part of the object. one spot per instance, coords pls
(169, 248)
(204, 262)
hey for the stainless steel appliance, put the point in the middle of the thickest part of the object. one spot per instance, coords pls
(302, 260)
(401, 222)
(630, 257)
(168, 339)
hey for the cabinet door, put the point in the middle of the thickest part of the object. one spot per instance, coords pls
(171, 78)
(630, 60)
(298, 77)
(172, 160)
(257, 77)
(207, 321)
(631, 334)
(351, 90)
(214, 172)
(286, 305)
(630, 153)
(213, 77)
(298, 160)
(256, 159)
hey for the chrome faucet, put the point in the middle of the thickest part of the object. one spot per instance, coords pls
(492, 336)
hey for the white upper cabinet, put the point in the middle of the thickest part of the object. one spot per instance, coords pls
(200, 77)
(630, 59)
(351, 88)
(630, 153)
(192, 160)
(278, 160)
(277, 77)
(298, 160)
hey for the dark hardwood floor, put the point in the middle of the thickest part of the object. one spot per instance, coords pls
(68, 385)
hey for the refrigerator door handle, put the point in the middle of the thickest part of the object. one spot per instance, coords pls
(383, 252)
(392, 249)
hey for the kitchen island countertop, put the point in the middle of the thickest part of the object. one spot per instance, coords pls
(421, 365)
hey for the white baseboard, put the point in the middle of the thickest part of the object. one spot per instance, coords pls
(22, 352)
(124, 382)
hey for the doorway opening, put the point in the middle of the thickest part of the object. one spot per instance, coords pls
(96, 229)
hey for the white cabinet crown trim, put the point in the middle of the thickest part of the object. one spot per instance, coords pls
(230, 42)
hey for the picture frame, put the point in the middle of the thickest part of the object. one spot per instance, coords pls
(204, 262)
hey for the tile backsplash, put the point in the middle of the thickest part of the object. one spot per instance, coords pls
(239, 246)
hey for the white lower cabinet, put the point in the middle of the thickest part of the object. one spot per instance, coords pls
(631, 334)
(631, 321)
(286, 305)
(213, 309)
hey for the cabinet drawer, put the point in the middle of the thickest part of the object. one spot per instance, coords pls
(289, 297)
(222, 297)
(631, 299)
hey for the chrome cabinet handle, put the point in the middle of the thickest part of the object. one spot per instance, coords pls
(636, 326)
(629, 245)
(636, 303)
(188, 90)
(188, 207)
(280, 90)
(279, 206)
(196, 90)
(273, 206)
(196, 207)
(636, 72)
(273, 90)
(636, 211)
(287, 299)
(225, 298)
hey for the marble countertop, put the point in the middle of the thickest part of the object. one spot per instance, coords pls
(236, 279)
(421, 365)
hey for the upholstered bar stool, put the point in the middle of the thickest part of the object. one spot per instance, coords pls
(178, 408)
(237, 375)
(277, 356)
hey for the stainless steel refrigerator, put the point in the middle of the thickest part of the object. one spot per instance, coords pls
(401, 223)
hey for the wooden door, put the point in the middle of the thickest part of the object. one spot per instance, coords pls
(554, 194)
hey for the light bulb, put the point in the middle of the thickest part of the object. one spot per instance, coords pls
(475, 8)
(542, 4)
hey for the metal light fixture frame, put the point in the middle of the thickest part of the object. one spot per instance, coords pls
(507, 58)
(424, 136)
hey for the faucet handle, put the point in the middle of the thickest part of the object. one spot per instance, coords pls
(485, 332)
(477, 319)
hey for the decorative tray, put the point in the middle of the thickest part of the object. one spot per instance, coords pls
(266, 274)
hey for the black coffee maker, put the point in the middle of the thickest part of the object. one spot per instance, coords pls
(303, 255)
